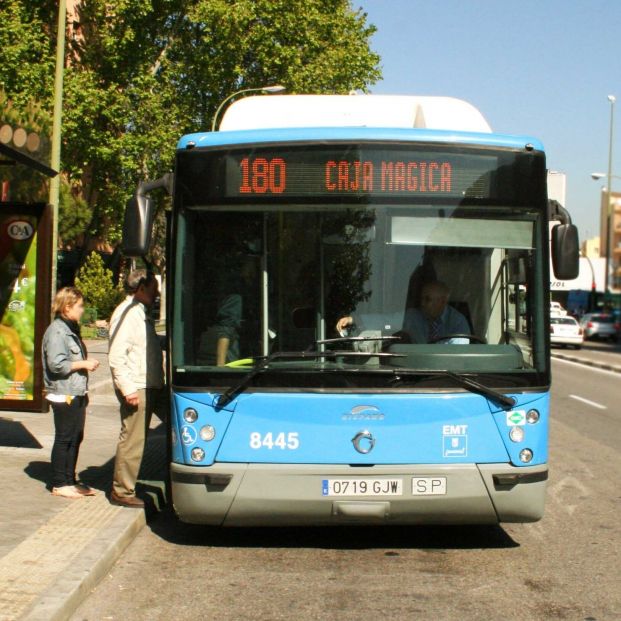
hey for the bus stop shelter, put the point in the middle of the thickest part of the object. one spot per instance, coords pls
(25, 277)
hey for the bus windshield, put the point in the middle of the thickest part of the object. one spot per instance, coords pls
(254, 279)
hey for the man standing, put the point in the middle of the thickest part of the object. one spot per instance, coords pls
(135, 358)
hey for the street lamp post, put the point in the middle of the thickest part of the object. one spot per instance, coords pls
(270, 90)
(56, 134)
(611, 99)
(609, 176)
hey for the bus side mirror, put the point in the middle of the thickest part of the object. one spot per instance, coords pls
(137, 225)
(565, 251)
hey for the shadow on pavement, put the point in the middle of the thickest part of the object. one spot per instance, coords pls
(100, 478)
(97, 477)
(169, 528)
(602, 345)
(40, 471)
(14, 433)
(151, 486)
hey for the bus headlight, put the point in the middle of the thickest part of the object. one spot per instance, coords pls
(198, 454)
(532, 416)
(190, 415)
(526, 455)
(516, 434)
(207, 433)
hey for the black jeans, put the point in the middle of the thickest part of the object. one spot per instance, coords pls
(69, 425)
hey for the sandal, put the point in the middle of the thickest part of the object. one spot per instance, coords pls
(66, 491)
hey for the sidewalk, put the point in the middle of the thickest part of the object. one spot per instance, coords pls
(54, 550)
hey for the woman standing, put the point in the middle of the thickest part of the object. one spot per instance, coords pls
(66, 368)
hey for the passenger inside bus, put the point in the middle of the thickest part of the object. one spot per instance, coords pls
(236, 322)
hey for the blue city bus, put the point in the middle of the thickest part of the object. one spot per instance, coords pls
(308, 385)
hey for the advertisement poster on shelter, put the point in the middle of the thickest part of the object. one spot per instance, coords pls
(18, 273)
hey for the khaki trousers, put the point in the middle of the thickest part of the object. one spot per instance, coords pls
(135, 423)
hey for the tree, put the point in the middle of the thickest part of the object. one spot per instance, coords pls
(27, 48)
(97, 286)
(140, 73)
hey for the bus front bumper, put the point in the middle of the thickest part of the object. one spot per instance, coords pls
(233, 494)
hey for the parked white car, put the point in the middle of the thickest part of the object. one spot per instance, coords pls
(566, 331)
(556, 310)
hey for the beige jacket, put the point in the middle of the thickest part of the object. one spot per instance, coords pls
(135, 354)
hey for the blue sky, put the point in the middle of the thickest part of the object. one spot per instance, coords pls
(543, 68)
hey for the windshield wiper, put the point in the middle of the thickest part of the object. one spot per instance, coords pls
(466, 382)
(228, 395)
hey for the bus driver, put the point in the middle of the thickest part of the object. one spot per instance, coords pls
(433, 320)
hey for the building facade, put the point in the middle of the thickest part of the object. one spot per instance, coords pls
(615, 236)
(591, 248)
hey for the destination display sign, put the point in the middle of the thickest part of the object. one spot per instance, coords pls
(348, 173)
(357, 172)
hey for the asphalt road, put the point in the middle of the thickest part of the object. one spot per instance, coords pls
(568, 566)
(594, 350)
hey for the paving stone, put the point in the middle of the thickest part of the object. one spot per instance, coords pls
(53, 550)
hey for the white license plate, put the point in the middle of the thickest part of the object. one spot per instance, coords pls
(362, 487)
(429, 486)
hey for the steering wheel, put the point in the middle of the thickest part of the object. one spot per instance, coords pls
(471, 337)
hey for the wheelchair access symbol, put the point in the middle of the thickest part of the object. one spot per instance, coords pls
(188, 435)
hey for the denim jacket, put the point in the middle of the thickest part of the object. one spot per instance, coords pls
(61, 347)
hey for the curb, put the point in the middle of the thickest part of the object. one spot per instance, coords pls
(70, 589)
(589, 363)
(104, 540)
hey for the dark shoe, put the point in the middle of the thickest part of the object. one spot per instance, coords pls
(126, 501)
(84, 489)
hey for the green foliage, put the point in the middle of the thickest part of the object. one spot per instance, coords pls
(141, 73)
(24, 183)
(96, 284)
(27, 46)
(89, 316)
(74, 215)
(89, 332)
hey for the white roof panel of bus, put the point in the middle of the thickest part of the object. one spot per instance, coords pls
(397, 111)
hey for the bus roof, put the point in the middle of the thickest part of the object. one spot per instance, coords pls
(286, 118)
(354, 134)
(279, 111)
